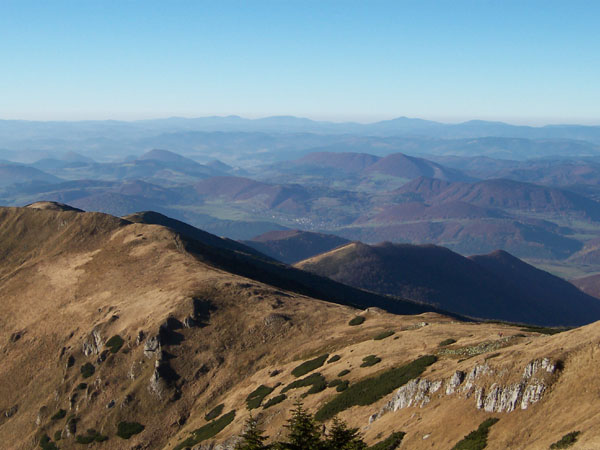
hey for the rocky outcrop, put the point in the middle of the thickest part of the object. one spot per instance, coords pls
(533, 393)
(42, 415)
(536, 365)
(152, 346)
(522, 394)
(158, 385)
(416, 392)
(482, 383)
(11, 411)
(93, 344)
(455, 380)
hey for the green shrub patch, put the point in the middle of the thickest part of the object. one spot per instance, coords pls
(214, 413)
(391, 443)
(61, 413)
(256, 397)
(476, 440)
(310, 365)
(274, 401)
(315, 379)
(334, 358)
(94, 435)
(342, 386)
(545, 330)
(334, 383)
(208, 431)
(370, 360)
(383, 335)
(87, 370)
(567, 440)
(91, 436)
(319, 386)
(447, 342)
(370, 390)
(344, 372)
(356, 321)
(115, 343)
(84, 439)
(127, 429)
(47, 444)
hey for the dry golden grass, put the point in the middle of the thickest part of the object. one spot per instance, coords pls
(65, 273)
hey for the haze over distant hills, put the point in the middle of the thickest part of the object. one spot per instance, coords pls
(474, 187)
(280, 138)
(278, 124)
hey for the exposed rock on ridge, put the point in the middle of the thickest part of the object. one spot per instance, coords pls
(494, 397)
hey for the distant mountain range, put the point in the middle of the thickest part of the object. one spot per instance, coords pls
(291, 124)
(355, 196)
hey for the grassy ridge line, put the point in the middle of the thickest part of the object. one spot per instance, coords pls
(370, 390)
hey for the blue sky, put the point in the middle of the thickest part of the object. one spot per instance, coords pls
(517, 61)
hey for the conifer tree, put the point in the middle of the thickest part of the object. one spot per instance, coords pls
(340, 437)
(303, 431)
(253, 437)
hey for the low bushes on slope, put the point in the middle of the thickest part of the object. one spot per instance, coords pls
(47, 444)
(87, 370)
(316, 381)
(342, 386)
(372, 389)
(391, 443)
(91, 436)
(446, 342)
(334, 358)
(334, 383)
(274, 401)
(310, 365)
(383, 335)
(566, 441)
(256, 397)
(127, 429)
(208, 431)
(476, 440)
(115, 343)
(545, 330)
(370, 360)
(214, 413)
(61, 413)
(358, 320)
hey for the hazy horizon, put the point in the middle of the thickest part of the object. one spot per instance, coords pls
(518, 62)
(529, 123)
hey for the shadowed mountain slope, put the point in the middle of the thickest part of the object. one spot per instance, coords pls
(154, 218)
(516, 195)
(290, 246)
(496, 286)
